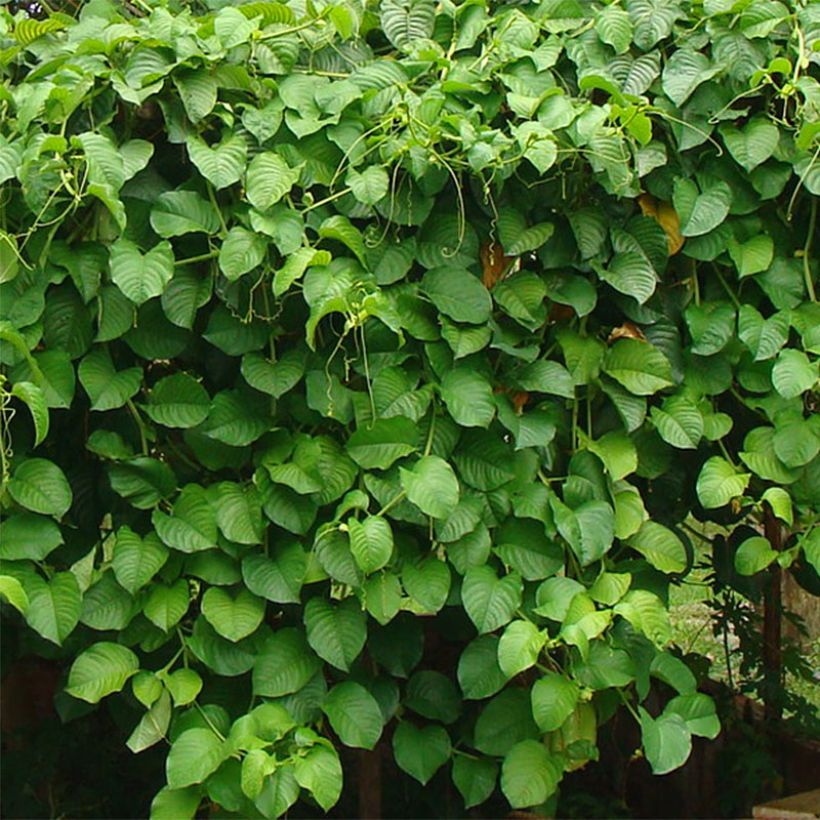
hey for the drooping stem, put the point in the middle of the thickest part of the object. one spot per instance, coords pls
(807, 251)
(140, 426)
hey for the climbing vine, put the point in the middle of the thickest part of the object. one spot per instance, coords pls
(368, 366)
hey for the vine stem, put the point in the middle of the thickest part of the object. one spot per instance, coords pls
(212, 197)
(201, 258)
(427, 448)
(428, 445)
(729, 292)
(209, 722)
(392, 503)
(807, 251)
(140, 426)
(326, 200)
(628, 703)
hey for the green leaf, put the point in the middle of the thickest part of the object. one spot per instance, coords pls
(457, 293)
(618, 454)
(175, 804)
(763, 337)
(268, 179)
(106, 605)
(521, 296)
(222, 165)
(647, 614)
(58, 380)
(529, 775)
(191, 527)
(640, 367)
(793, 374)
(295, 266)
(274, 378)
(194, 755)
(407, 21)
(141, 276)
(137, 560)
(490, 601)
(238, 511)
(503, 722)
(30, 536)
(545, 376)
(667, 741)
(432, 486)
(479, 674)
(701, 212)
(630, 272)
(29, 29)
(752, 256)
(184, 686)
(354, 715)
(337, 633)
(371, 542)
(370, 185)
(679, 422)
(660, 546)
(780, 502)
(795, 442)
(320, 772)
(341, 229)
(100, 670)
(475, 778)
(178, 401)
(614, 27)
(698, 712)
(554, 698)
(711, 325)
(421, 752)
(143, 482)
(685, 70)
(106, 387)
(469, 397)
(177, 213)
(236, 418)
(719, 482)
(433, 695)
(153, 725)
(279, 792)
(283, 664)
(34, 398)
(40, 485)
(233, 617)
(753, 143)
(673, 671)
(589, 529)
(427, 582)
(54, 605)
(519, 647)
(380, 444)
(754, 555)
(256, 766)
(241, 252)
(198, 91)
(12, 590)
(166, 605)
(279, 580)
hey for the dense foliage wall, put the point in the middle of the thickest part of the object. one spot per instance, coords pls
(378, 358)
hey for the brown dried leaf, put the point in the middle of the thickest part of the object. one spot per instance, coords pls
(494, 265)
(627, 330)
(666, 216)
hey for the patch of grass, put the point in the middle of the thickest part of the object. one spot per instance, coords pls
(692, 625)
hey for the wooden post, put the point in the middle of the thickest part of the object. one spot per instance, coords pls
(370, 784)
